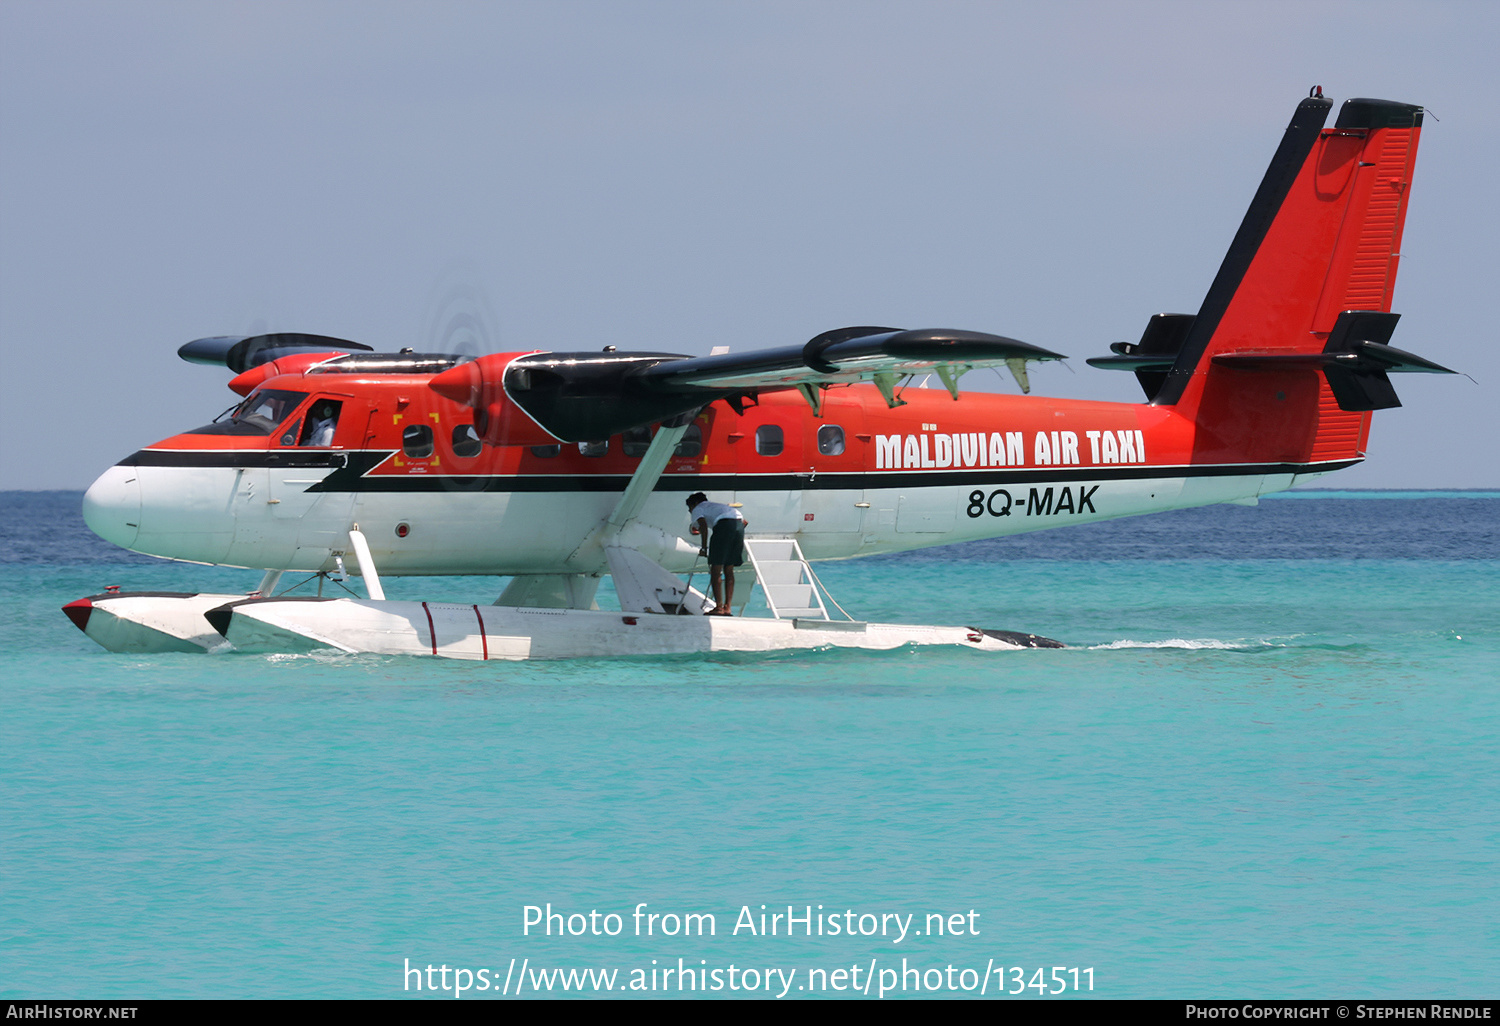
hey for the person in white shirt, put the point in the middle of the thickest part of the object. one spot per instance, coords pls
(321, 430)
(725, 549)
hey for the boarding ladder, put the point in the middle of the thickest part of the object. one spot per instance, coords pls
(792, 590)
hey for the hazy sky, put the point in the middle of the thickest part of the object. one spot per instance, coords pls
(675, 176)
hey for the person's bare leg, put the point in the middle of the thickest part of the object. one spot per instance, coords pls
(717, 586)
(728, 591)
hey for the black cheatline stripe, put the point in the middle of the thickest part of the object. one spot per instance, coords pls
(234, 459)
(351, 478)
(1301, 134)
(981, 475)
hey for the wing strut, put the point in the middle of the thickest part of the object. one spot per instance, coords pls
(644, 586)
(643, 481)
(366, 564)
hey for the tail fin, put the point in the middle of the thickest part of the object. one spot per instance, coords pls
(1287, 355)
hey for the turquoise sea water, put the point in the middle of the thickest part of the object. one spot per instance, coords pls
(1266, 767)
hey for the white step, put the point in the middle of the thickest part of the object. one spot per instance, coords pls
(774, 572)
(790, 587)
(774, 549)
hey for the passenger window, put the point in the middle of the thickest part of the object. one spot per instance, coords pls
(594, 448)
(691, 443)
(768, 440)
(831, 440)
(318, 426)
(465, 442)
(416, 441)
(545, 452)
(636, 441)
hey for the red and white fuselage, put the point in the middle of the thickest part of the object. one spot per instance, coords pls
(859, 480)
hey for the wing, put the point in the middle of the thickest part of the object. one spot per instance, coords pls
(530, 398)
(845, 356)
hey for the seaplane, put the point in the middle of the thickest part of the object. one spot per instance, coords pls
(556, 469)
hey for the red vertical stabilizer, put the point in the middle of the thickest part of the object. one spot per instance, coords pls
(1321, 237)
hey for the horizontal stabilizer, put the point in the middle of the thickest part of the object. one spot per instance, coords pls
(1153, 355)
(1128, 361)
(1364, 356)
(241, 352)
(1355, 360)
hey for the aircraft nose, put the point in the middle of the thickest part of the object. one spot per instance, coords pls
(112, 506)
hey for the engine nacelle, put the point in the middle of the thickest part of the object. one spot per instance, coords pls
(297, 363)
(480, 385)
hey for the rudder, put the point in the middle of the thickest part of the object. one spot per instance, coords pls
(1288, 353)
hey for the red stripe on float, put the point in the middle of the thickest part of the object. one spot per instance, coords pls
(431, 630)
(482, 639)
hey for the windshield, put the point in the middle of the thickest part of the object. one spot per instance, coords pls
(260, 414)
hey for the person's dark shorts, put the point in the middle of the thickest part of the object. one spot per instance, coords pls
(726, 544)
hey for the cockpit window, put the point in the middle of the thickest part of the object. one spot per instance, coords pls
(322, 419)
(267, 408)
(260, 414)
